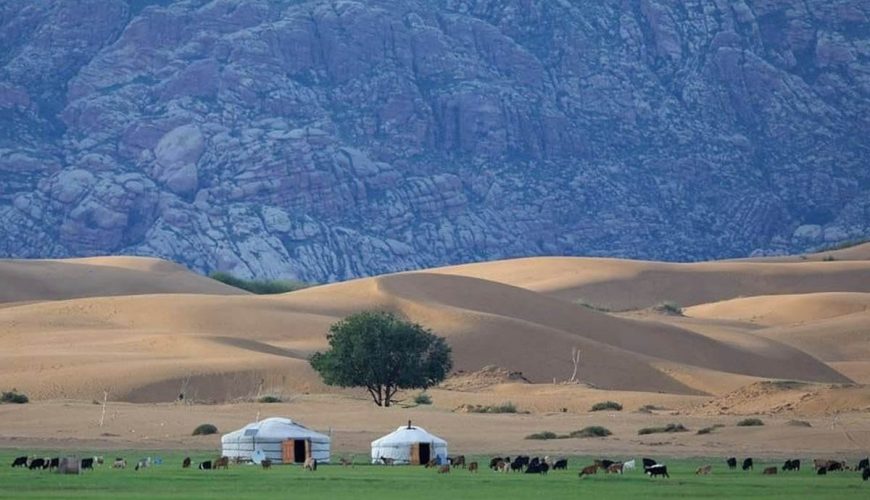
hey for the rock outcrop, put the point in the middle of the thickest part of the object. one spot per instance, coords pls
(323, 140)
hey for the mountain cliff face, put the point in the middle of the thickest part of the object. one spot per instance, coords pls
(324, 140)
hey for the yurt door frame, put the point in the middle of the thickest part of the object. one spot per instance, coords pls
(295, 451)
(421, 453)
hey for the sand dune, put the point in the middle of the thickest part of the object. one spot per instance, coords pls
(623, 285)
(37, 280)
(775, 310)
(146, 329)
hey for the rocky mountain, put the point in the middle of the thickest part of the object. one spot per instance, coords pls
(324, 140)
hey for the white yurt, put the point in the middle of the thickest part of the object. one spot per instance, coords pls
(410, 445)
(279, 439)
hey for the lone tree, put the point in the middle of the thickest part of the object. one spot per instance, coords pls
(382, 353)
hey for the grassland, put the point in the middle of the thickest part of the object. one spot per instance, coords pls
(382, 483)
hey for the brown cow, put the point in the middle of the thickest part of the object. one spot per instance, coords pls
(444, 469)
(615, 468)
(185, 464)
(703, 471)
(472, 467)
(769, 471)
(589, 469)
(222, 462)
(457, 461)
(267, 464)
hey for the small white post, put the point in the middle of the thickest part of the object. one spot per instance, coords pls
(103, 413)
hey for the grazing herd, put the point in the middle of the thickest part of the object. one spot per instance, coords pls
(519, 464)
(55, 463)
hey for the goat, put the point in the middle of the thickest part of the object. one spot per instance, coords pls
(703, 471)
(310, 464)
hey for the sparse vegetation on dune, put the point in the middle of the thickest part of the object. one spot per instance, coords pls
(750, 422)
(14, 397)
(205, 430)
(591, 432)
(664, 429)
(260, 287)
(543, 435)
(606, 405)
(507, 407)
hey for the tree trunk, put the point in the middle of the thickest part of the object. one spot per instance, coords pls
(387, 396)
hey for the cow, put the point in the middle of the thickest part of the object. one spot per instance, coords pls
(185, 464)
(794, 465)
(119, 463)
(444, 469)
(657, 470)
(310, 464)
(615, 468)
(703, 471)
(387, 461)
(864, 463)
(88, 463)
(457, 461)
(747, 464)
(834, 465)
(54, 463)
(221, 463)
(630, 465)
(604, 464)
(205, 465)
(520, 462)
(588, 470)
(648, 462)
(144, 463)
(19, 462)
(494, 461)
(822, 471)
(561, 464)
(472, 467)
(266, 464)
(36, 463)
(769, 471)
(865, 475)
(732, 463)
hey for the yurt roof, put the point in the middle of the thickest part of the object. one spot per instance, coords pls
(276, 428)
(408, 435)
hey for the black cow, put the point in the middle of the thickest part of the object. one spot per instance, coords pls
(794, 465)
(833, 465)
(88, 463)
(19, 462)
(657, 470)
(822, 471)
(732, 463)
(747, 464)
(561, 464)
(864, 464)
(648, 462)
(534, 462)
(493, 462)
(205, 465)
(533, 469)
(866, 474)
(54, 463)
(604, 463)
(36, 463)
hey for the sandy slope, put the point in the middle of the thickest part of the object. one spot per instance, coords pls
(39, 280)
(620, 285)
(777, 310)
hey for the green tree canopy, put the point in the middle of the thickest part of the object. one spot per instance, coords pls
(383, 353)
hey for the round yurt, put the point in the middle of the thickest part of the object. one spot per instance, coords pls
(409, 444)
(281, 440)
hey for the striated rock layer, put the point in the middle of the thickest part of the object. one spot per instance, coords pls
(324, 140)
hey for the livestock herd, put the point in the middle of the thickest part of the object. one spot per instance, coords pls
(519, 464)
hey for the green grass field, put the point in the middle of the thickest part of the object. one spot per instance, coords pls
(377, 482)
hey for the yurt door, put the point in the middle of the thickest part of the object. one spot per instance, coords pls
(425, 453)
(414, 459)
(295, 451)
